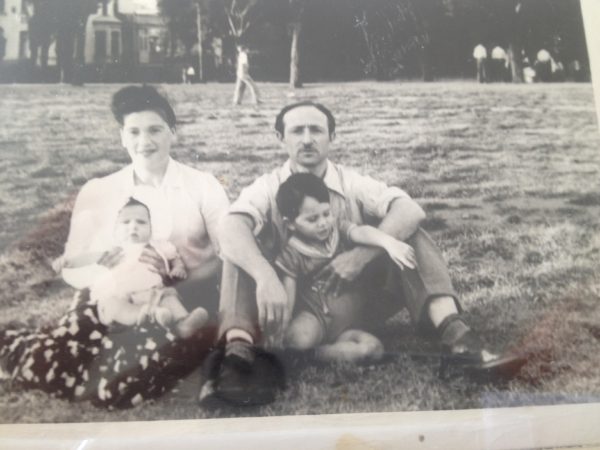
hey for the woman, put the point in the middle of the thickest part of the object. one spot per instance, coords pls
(83, 358)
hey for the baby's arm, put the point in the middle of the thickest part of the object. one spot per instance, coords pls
(177, 268)
(81, 260)
(401, 253)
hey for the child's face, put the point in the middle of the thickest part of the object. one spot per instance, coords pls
(314, 221)
(133, 225)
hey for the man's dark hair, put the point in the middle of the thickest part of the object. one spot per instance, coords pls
(132, 99)
(295, 189)
(280, 126)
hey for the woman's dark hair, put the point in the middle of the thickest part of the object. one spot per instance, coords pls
(295, 189)
(132, 99)
(280, 125)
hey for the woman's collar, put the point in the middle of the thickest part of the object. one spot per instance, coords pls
(171, 178)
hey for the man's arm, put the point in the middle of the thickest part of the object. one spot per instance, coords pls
(239, 246)
(401, 221)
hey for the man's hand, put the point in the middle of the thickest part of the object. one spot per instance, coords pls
(111, 258)
(344, 268)
(154, 261)
(271, 300)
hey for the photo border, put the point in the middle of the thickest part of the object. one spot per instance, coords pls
(498, 428)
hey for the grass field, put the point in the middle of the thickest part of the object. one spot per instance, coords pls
(509, 176)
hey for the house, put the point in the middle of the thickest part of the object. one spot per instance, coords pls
(129, 31)
(13, 26)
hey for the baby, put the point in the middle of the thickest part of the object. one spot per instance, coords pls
(130, 292)
(322, 321)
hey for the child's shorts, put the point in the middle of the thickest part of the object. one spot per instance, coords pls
(335, 314)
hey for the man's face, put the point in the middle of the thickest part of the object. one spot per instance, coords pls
(306, 136)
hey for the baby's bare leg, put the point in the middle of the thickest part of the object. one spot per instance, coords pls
(352, 346)
(171, 312)
(304, 332)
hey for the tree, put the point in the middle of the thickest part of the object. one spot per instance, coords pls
(64, 20)
(297, 8)
(395, 32)
(42, 26)
(181, 22)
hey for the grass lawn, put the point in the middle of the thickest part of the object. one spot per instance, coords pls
(509, 176)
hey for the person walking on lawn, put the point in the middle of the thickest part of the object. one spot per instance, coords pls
(253, 300)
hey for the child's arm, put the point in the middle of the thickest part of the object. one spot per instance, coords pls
(401, 253)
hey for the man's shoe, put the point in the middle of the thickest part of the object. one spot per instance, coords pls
(463, 348)
(242, 375)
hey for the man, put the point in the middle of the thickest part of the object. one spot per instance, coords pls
(253, 301)
(499, 64)
(243, 78)
(480, 55)
(544, 64)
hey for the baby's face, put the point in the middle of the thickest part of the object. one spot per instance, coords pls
(314, 222)
(133, 225)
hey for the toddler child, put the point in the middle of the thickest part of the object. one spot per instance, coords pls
(316, 237)
(130, 292)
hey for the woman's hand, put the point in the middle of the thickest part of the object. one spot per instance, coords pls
(111, 258)
(154, 261)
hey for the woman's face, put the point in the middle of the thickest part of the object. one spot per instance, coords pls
(147, 138)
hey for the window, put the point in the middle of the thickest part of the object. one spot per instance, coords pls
(100, 46)
(115, 37)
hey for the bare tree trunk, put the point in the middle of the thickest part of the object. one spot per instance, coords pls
(374, 64)
(295, 81)
(426, 62)
(79, 62)
(516, 64)
(199, 29)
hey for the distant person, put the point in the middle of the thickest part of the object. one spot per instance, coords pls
(2, 45)
(190, 74)
(543, 65)
(499, 64)
(321, 321)
(243, 77)
(576, 71)
(558, 71)
(528, 71)
(480, 55)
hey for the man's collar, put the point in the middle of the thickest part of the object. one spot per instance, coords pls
(331, 178)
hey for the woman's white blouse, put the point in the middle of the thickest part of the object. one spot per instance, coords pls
(185, 210)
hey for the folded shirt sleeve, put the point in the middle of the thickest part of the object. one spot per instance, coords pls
(255, 202)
